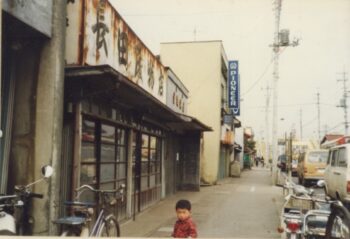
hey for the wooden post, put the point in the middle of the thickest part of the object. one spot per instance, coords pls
(77, 147)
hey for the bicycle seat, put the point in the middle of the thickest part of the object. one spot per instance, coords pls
(70, 220)
(81, 204)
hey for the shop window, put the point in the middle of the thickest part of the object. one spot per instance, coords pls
(103, 156)
(150, 162)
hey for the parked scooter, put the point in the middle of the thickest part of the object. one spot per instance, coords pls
(14, 209)
(303, 215)
(292, 213)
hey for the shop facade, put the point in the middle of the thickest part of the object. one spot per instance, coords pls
(118, 128)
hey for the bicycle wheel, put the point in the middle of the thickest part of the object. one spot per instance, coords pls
(109, 228)
(338, 224)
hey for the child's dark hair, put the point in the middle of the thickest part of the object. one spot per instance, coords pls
(183, 204)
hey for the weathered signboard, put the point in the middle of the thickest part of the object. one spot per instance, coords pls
(97, 35)
(35, 13)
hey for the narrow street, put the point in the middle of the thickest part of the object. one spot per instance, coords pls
(246, 207)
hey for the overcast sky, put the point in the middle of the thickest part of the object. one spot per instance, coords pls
(246, 28)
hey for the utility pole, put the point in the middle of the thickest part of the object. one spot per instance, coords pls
(276, 48)
(301, 124)
(318, 115)
(267, 128)
(281, 39)
(343, 102)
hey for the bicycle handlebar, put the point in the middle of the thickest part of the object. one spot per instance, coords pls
(36, 195)
(86, 186)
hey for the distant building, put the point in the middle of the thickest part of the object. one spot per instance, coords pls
(330, 140)
(202, 66)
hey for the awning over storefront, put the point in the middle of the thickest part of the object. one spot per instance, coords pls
(105, 82)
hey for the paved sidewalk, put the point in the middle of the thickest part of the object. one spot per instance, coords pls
(246, 207)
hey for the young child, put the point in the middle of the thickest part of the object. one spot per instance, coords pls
(184, 226)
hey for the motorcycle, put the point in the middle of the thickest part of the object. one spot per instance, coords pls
(14, 209)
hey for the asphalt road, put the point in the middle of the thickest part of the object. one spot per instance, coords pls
(248, 208)
(245, 207)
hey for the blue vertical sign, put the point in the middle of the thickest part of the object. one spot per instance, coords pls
(233, 87)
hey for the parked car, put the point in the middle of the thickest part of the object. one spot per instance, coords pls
(294, 167)
(337, 174)
(282, 162)
(311, 166)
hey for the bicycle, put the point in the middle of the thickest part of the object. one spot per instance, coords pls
(106, 224)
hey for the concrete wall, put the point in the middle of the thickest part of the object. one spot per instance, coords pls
(198, 65)
(37, 68)
(49, 121)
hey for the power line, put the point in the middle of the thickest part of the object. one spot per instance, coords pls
(336, 126)
(287, 105)
(309, 122)
(262, 75)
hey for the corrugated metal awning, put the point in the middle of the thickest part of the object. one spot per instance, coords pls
(104, 81)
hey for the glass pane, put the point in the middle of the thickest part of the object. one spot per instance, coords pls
(85, 104)
(144, 183)
(88, 131)
(121, 169)
(152, 181)
(153, 142)
(158, 179)
(107, 152)
(119, 183)
(153, 155)
(152, 166)
(144, 168)
(144, 156)
(107, 134)
(134, 138)
(121, 136)
(88, 152)
(158, 167)
(107, 172)
(88, 174)
(137, 184)
(159, 149)
(133, 169)
(342, 159)
(121, 155)
(88, 196)
(334, 157)
(145, 139)
(133, 154)
(107, 186)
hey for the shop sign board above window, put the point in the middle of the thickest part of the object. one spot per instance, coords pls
(98, 35)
